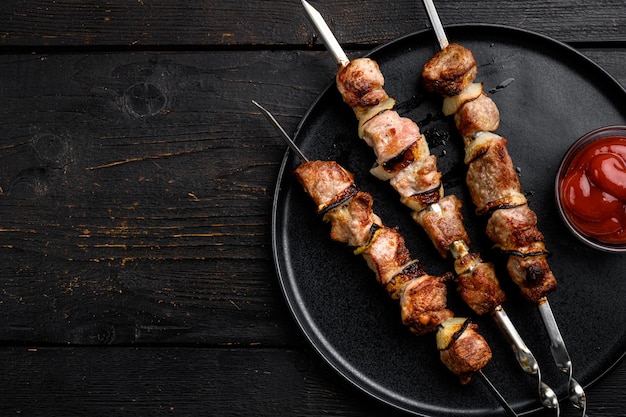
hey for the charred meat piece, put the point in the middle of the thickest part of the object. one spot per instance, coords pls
(415, 152)
(492, 179)
(532, 275)
(450, 71)
(389, 135)
(480, 289)
(423, 303)
(514, 229)
(352, 222)
(360, 84)
(395, 285)
(478, 115)
(327, 183)
(445, 225)
(462, 349)
(386, 254)
(417, 177)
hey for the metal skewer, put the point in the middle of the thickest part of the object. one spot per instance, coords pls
(437, 26)
(284, 134)
(326, 34)
(576, 394)
(292, 145)
(526, 359)
(561, 357)
(509, 411)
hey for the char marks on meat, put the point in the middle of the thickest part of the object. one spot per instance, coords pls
(492, 179)
(360, 84)
(423, 303)
(480, 288)
(467, 352)
(444, 226)
(389, 135)
(478, 115)
(352, 222)
(325, 182)
(450, 71)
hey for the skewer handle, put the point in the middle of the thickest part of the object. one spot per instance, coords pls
(557, 345)
(561, 357)
(524, 356)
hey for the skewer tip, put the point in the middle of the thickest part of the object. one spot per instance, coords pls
(292, 145)
(436, 23)
(509, 411)
(322, 29)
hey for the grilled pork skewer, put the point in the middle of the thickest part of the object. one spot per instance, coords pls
(492, 180)
(403, 158)
(495, 187)
(422, 297)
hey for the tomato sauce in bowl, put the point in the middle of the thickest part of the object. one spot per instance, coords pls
(591, 188)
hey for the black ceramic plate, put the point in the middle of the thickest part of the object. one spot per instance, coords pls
(548, 95)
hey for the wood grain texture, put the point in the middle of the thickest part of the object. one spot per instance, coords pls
(51, 381)
(230, 23)
(121, 227)
(136, 188)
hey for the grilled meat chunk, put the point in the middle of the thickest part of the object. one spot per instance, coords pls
(514, 229)
(360, 84)
(386, 254)
(450, 70)
(443, 226)
(478, 115)
(423, 303)
(492, 179)
(415, 152)
(326, 182)
(411, 271)
(532, 275)
(462, 349)
(352, 221)
(417, 177)
(480, 289)
(389, 135)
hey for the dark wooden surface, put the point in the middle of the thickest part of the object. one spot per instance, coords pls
(136, 186)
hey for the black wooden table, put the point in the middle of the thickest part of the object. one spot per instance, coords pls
(136, 189)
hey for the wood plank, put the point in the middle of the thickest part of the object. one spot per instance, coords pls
(123, 228)
(47, 381)
(33, 23)
(85, 174)
(144, 302)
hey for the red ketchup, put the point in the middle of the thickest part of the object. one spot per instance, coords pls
(593, 190)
